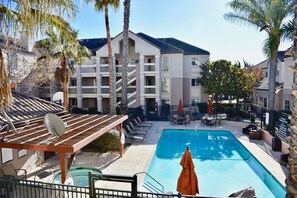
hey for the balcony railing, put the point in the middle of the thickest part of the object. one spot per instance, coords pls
(72, 90)
(88, 69)
(89, 90)
(149, 67)
(149, 90)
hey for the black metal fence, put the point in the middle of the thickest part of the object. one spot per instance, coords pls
(14, 188)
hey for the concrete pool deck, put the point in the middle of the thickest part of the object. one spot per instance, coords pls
(137, 158)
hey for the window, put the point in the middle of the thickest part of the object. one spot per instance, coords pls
(165, 64)
(165, 102)
(165, 87)
(261, 101)
(72, 82)
(265, 102)
(287, 105)
(266, 74)
(194, 82)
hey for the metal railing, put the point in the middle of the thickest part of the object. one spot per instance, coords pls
(162, 187)
(14, 188)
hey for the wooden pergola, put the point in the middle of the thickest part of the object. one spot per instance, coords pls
(81, 130)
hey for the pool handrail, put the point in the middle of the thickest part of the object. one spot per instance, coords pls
(151, 178)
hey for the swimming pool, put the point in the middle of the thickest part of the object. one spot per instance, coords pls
(223, 165)
(79, 176)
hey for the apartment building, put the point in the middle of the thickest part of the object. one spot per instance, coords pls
(284, 79)
(160, 71)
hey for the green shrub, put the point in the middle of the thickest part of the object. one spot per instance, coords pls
(106, 142)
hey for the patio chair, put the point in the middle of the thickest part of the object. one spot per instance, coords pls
(8, 169)
(142, 125)
(255, 134)
(212, 122)
(135, 131)
(142, 122)
(131, 138)
(248, 193)
(187, 120)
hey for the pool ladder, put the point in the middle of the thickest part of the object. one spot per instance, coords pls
(150, 186)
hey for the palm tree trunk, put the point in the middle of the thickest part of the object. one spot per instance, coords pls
(112, 78)
(5, 99)
(291, 181)
(64, 83)
(124, 103)
(271, 90)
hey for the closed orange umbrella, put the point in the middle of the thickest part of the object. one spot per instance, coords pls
(180, 107)
(187, 182)
(209, 107)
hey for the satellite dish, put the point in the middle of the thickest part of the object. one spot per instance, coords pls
(58, 97)
(9, 122)
(54, 124)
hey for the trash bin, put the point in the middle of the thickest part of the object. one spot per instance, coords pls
(276, 144)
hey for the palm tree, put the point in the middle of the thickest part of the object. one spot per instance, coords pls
(33, 17)
(291, 181)
(268, 16)
(99, 6)
(67, 50)
(124, 102)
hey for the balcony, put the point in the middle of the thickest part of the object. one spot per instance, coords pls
(149, 67)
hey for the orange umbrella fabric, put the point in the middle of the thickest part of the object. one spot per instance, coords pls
(209, 107)
(187, 182)
(180, 107)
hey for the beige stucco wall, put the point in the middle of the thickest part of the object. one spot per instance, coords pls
(27, 162)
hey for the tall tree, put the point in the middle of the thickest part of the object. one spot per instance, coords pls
(213, 77)
(67, 50)
(99, 6)
(33, 17)
(291, 181)
(268, 16)
(124, 102)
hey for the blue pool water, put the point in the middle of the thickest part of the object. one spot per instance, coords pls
(79, 176)
(223, 165)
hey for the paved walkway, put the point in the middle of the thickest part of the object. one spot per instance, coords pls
(137, 158)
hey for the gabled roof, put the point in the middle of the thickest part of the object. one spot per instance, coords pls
(166, 45)
(163, 46)
(25, 108)
(93, 44)
(187, 48)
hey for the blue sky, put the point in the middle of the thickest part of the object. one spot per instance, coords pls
(197, 22)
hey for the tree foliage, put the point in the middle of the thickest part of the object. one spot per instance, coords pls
(269, 16)
(67, 51)
(33, 17)
(221, 77)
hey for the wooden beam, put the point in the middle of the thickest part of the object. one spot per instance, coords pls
(69, 163)
(62, 157)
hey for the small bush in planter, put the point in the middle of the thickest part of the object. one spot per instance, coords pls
(106, 142)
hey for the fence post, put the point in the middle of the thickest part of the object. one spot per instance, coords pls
(134, 187)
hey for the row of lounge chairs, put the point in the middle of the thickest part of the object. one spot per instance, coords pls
(136, 130)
